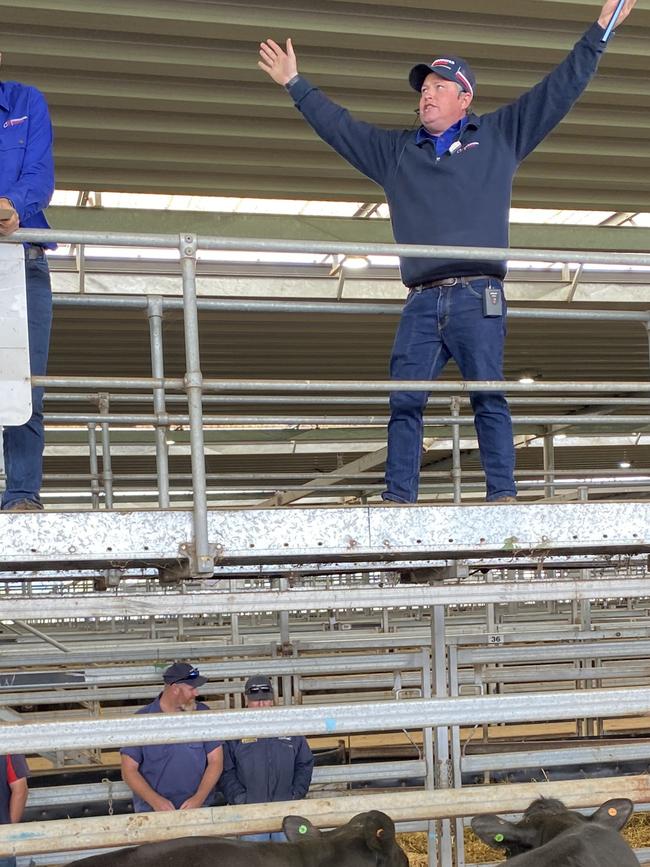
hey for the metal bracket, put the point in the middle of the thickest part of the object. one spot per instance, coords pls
(186, 566)
(110, 579)
(188, 245)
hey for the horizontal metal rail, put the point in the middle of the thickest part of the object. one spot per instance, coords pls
(261, 245)
(336, 420)
(246, 601)
(140, 605)
(150, 674)
(324, 720)
(329, 400)
(553, 758)
(106, 831)
(367, 308)
(90, 793)
(330, 385)
(553, 653)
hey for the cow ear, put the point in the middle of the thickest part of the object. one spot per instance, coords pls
(379, 830)
(614, 814)
(296, 828)
(499, 833)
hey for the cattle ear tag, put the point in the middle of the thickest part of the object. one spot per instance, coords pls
(302, 829)
(499, 838)
(613, 811)
(380, 832)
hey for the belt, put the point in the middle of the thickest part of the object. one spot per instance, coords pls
(451, 281)
(34, 251)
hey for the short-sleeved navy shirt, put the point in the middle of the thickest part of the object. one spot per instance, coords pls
(172, 770)
(12, 768)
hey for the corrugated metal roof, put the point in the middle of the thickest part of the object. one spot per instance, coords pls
(164, 96)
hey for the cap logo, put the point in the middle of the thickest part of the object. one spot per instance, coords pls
(443, 61)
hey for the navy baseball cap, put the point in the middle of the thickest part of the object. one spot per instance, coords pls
(259, 687)
(183, 672)
(450, 67)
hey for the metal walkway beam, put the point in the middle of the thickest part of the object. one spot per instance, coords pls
(290, 536)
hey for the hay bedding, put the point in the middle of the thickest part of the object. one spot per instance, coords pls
(637, 834)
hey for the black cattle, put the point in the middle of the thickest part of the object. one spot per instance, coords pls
(549, 834)
(368, 840)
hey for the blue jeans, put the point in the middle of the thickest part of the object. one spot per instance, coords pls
(8, 862)
(437, 324)
(23, 444)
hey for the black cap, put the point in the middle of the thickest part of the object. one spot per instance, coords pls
(450, 67)
(183, 672)
(259, 687)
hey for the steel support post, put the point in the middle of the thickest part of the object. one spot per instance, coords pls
(429, 758)
(80, 257)
(94, 465)
(457, 776)
(441, 733)
(155, 315)
(202, 563)
(107, 469)
(282, 584)
(549, 464)
(455, 455)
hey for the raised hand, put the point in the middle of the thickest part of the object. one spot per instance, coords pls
(279, 64)
(610, 7)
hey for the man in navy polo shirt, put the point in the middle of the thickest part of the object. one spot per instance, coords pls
(173, 776)
(261, 770)
(13, 794)
(449, 183)
(26, 187)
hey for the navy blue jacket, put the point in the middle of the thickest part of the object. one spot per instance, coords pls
(261, 770)
(461, 198)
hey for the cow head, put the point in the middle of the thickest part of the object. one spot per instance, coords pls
(543, 820)
(372, 833)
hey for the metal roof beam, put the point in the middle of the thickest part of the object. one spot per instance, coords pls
(346, 229)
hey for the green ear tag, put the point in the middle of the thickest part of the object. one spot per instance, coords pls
(303, 829)
(499, 838)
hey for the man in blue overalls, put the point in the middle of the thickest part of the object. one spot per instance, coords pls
(26, 187)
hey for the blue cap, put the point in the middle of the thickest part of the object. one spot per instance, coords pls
(449, 67)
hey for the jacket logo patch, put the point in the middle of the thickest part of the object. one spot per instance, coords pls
(14, 121)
